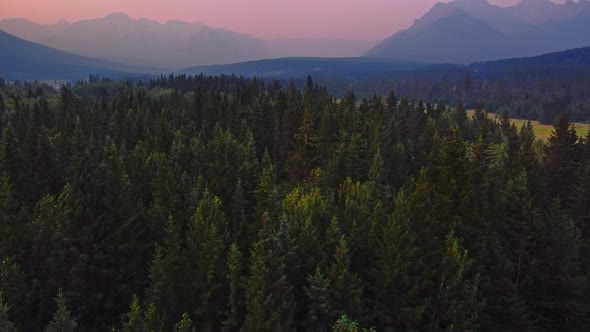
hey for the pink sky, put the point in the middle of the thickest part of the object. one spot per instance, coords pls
(342, 19)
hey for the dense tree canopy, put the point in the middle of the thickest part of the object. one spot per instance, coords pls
(223, 203)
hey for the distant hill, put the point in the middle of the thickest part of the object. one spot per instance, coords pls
(557, 64)
(351, 68)
(24, 60)
(363, 68)
(464, 31)
(577, 56)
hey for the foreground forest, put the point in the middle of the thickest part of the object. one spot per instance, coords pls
(208, 204)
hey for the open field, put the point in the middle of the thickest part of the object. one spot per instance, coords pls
(542, 131)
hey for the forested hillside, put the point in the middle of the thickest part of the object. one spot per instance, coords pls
(535, 88)
(193, 203)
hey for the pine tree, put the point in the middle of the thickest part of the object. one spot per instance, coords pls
(266, 190)
(10, 157)
(2, 106)
(185, 324)
(5, 324)
(455, 304)
(165, 290)
(561, 159)
(519, 230)
(269, 301)
(303, 157)
(135, 319)
(17, 290)
(580, 212)
(62, 320)
(235, 307)
(154, 320)
(503, 309)
(11, 234)
(400, 277)
(556, 296)
(345, 324)
(208, 250)
(346, 290)
(357, 207)
(531, 162)
(460, 118)
(319, 312)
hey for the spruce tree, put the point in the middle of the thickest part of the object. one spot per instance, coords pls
(10, 230)
(269, 299)
(2, 106)
(208, 252)
(455, 303)
(401, 279)
(347, 289)
(135, 318)
(62, 320)
(303, 157)
(562, 159)
(556, 297)
(5, 324)
(185, 324)
(319, 313)
(10, 157)
(235, 308)
(165, 290)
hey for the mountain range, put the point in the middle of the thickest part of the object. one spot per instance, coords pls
(457, 32)
(174, 44)
(464, 31)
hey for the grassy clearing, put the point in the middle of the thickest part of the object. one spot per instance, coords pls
(542, 131)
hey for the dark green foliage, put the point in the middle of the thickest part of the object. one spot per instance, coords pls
(269, 299)
(235, 307)
(229, 204)
(134, 321)
(184, 325)
(345, 324)
(562, 159)
(400, 277)
(5, 324)
(207, 247)
(319, 314)
(561, 305)
(346, 288)
(62, 320)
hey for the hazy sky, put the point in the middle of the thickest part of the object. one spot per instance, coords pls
(346, 19)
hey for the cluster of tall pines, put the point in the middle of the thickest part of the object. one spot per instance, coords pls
(226, 204)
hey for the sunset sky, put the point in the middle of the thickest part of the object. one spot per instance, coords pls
(338, 19)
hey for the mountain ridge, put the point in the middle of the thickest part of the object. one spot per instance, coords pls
(172, 44)
(525, 27)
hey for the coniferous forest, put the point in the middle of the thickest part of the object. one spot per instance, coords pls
(194, 203)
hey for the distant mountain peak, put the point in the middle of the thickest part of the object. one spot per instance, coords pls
(472, 2)
(528, 28)
(439, 11)
(118, 16)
